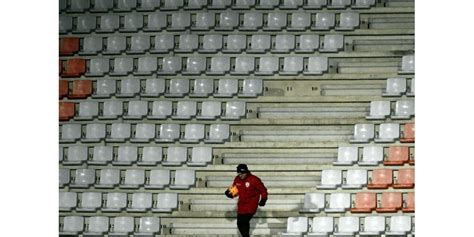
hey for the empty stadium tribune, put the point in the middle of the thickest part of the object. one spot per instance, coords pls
(159, 100)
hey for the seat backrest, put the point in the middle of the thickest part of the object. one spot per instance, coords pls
(398, 153)
(127, 153)
(120, 130)
(409, 131)
(400, 223)
(391, 200)
(159, 177)
(356, 177)
(406, 176)
(347, 154)
(380, 108)
(323, 224)
(201, 154)
(314, 200)
(372, 153)
(297, 224)
(152, 154)
(77, 153)
(91, 200)
(123, 224)
(340, 200)
(169, 131)
(331, 177)
(116, 200)
(109, 176)
(167, 200)
(348, 224)
(177, 154)
(219, 131)
(98, 224)
(185, 177)
(134, 176)
(382, 176)
(67, 199)
(85, 176)
(141, 200)
(73, 224)
(374, 223)
(149, 224)
(389, 130)
(366, 200)
(364, 131)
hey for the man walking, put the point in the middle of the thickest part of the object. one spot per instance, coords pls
(251, 192)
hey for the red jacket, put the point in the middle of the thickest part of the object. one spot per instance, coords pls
(250, 190)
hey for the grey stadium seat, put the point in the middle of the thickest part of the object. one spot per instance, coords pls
(127, 155)
(146, 66)
(166, 202)
(172, 4)
(141, 202)
(115, 202)
(227, 88)
(122, 66)
(202, 88)
(316, 65)
(161, 110)
(90, 202)
(211, 44)
(98, 225)
(300, 21)
(404, 109)
(330, 179)
(64, 177)
(210, 110)
(154, 87)
(101, 155)
(408, 65)
(98, 67)
(363, 133)
(195, 4)
(228, 20)
(73, 225)
(112, 109)
(193, 133)
(252, 21)
(411, 93)
(296, 226)
(79, 5)
(218, 133)
(220, 65)
(137, 109)
(324, 21)
(243, 65)
(243, 4)
(185, 110)
(156, 22)
(180, 21)
(144, 132)
(95, 132)
(148, 226)
(307, 43)
(76, 155)
(276, 21)
(235, 44)
(347, 226)
(204, 21)
(132, 23)
(104, 88)
(315, 4)
(169, 133)
(234, 110)
(134, 178)
(85, 24)
(125, 5)
(371, 156)
(159, 179)
(83, 178)
(322, 226)
(259, 43)
(291, 4)
(109, 178)
(183, 179)
(67, 201)
(399, 225)
(346, 156)
(195, 65)
(201, 156)
(129, 87)
(163, 44)
(108, 23)
(395, 87)
(122, 226)
(151, 155)
(339, 4)
(267, 66)
(284, 44)
(348, 21)
(355, 179)
(292, 66)
(388, 132)
(313, 202)
(115, 45)
(332, 43)
(148, 5)
(91, 45)
(65, 24)
(70, 133)
(139, 44)
(176, 156)
(170, 65)
(188, 43)
(379, 110)
(363, 4)
(339, 202)
(373, 225)
(252, 88)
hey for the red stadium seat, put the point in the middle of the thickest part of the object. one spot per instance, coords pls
(408, 133)
(68, 46)
(410, 203)
(397, 155)
(405, 179)
(81, 89)
(391, 202)
(381, 179)
(74, 68)
(63, 88)
(66, 111)
(365, 203)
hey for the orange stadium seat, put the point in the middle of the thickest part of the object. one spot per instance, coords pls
(68, 46)
(365, 203)
(408, 133)
(74, 68)
(81, 89)
(63, 88)
(381, 179)
(410, 203)
(390, 202)
(405, 179)
(66, 111)
(397, 155)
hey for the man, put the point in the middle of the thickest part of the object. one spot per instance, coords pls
(250, 190)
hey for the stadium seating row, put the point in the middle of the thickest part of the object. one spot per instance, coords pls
(399, 225)
(113, 226)
(358, 178)
(143, 133)
(387, 132)
(129, 155)
(219, 21)
(126, 179)
(78, 6)
(205, 43)
(155, 87)
(374, 155)
(117, 202)
(363, 202)
(139, 109)
(404, 109)
(398, 86)
(195, 65)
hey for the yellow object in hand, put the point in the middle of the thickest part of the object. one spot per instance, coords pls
(234, 191)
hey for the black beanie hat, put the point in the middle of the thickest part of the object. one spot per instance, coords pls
(242, 168)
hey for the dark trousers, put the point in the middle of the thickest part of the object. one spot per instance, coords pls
(243, 223)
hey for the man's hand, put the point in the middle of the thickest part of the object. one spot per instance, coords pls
(262, 202)
(228, 194)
